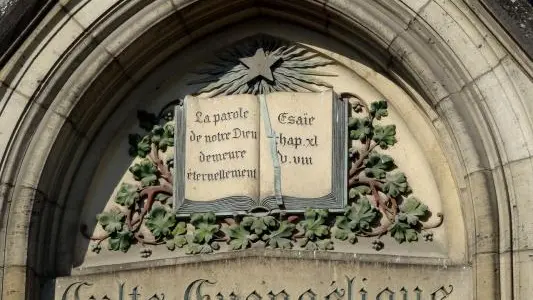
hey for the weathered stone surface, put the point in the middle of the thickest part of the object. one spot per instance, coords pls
(460, 69)
(260, 277)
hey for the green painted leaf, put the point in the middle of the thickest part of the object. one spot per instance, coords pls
(240, 238)
(160, 222)
(357, 218)
(281, 237)
(112, 221)
(259, 224)
(402, 232)
(407, 225)
(177, 241)
(412, 210)
(411, 235)
(204, 227)
(163, 136)
(323, 245)
(343, 233)
(147, 120)
(358, 191)
(198, 218)
(145, 172)
(180, 229)
(180, 241)
(139, 146)
(378, 109)
(149, 180)
(377, 165)
(395, 184)
(127, 195)
(359, 128)
(204, 232)
(326, 244)
(313, 223)
(384, 136)
(162, 197)
(167, 139)
(193, 248)
(157, 134)
(120, 240)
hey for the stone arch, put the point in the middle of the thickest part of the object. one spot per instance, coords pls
(84, 57)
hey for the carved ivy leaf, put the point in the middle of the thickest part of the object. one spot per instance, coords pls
(204, 227)
(145, 172)
(139, 146)
(162, 197)
(112, 221)
(356, 219)
(194, 248)
(180, 229)
(412, 210)
(120, 240)
(179, 239)
(198, 218)
(343, 233)
(407, 222)
(259, 224)
(378, 109)
(360, 128)
(240, 238)
(395, 184)
(157, 134)
(377, 165)
(147, 120)
(281, 237)
(385, 136)
(325, 244)
(358, 191)
(127, 195)
(160, 222)
(313, 223)
(167, 140)
(402, 232)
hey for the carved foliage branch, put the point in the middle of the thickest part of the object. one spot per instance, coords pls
(380, 199)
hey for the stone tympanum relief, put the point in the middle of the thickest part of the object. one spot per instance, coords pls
(377, 197)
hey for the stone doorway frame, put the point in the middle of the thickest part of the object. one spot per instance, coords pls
(84, 57)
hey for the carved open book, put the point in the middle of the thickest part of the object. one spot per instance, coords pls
(280, 151)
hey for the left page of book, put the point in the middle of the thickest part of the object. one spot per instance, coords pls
(221, 147)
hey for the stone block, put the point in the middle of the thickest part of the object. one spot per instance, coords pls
(87, 12)
(12, 106)
(44, 49)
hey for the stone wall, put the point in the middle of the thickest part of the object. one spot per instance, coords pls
(80, 72)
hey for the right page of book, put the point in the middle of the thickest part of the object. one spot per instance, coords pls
(302, 124)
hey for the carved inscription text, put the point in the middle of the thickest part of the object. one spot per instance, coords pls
(351, 289)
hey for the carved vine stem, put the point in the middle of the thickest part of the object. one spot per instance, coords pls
(150, 193)
(161, 167)
(374, 193)
(436, 223)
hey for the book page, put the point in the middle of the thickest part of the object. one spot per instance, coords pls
(303, 127)
(222, 147)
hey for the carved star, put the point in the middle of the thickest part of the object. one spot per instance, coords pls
(259, 65)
